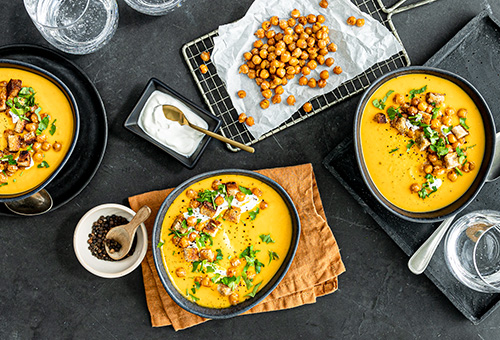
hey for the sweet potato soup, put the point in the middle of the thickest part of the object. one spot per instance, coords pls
(224, 238)
(422, 141)
(36, 130)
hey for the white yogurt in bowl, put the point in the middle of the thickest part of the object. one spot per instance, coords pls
(181, 139)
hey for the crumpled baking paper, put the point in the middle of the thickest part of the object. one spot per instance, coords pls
(359, 48)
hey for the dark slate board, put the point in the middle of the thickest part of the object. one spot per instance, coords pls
(473, 53)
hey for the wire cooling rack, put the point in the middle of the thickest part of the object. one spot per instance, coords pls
(215, 94)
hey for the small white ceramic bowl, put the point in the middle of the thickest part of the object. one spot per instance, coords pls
(108, 269)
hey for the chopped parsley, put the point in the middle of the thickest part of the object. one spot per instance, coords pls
(435, 112)
(463, 123)
(3, 184)
(457, 170)
(253, 214)
(203, 239)
(9, 158)
(44, 164)
(254, 291)
(462, 158)
(266, 238)
(42, 125)
(229, 200)
(53, 127)
(249, 255)
(207, 196)
(414, 92)
(231, 282)
(248, 282)
(393, 112)
(160, 244)
(427, 188)
(394, 150)
(190, 211)
(219, 255)
(194, 297)
(272, 256)
(380, 103)
(409, 145)
(244, 190)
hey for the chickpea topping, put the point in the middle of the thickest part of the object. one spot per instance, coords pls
(231, 271)
(192, 236)
(205, 282)
(203, 68)
(234, 298)
(452, 176)
(219, 200)
(250, 121)
(351, 21)
(180, 272)
(30, 127)
(452, 139)
(337, 70)
(242, 94)
(428, 169)
(311, 18)
(240, 197)
(198, 279)
(34, 118)
(449, 111)
(399, 98)
(324, 74)
(215, 184)
(329, 62)
(276, 99)
(312, 83)
(235, 262)
(302, 81)
(190, 193)
(438, 171)
(257, 192)
(205, 56)
(242, 117)
(264, 104)
(263, 205)
(38, 157)
(251, 274)
(432, 158)
(41, 138)
(57, 146)
(323, 4)
(184, 242)
(321, 83)
(307, 107)
(446, 120)
(290, 100)
(360, 22)
(469, 166)
(415, 187)
(295, 13)
(462, 113)
(274, 21)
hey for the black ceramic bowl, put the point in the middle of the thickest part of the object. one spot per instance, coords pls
(76, 118)
(489, 129)
(132, 122)
(223, 313)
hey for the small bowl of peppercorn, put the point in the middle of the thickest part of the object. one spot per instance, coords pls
(90, 238)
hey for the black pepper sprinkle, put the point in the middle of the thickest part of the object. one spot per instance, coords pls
(97, 239)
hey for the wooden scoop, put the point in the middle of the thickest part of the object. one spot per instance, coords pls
(125, 234)
(175, 114)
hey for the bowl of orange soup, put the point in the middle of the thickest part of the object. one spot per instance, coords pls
(223, 240)
(39, 125)
(424, 141)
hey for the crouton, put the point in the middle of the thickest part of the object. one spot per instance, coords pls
(231, 188)
(451, 160)
(223, 289)
(232, 215)
(459, 131)
(207, 209)
(191, 254)
(29, 138)
(19, 128)
(177, 225)
(435, 99)
(380, 118)
(422, 142)
(426, 117)
(3, 95)
(400, 125)
(14, 143)
(13, 88)
(24, 159)
(207, 254)
(211, 227)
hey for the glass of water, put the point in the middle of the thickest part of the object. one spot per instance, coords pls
(472, 250)
(74, 26)
(154, 7)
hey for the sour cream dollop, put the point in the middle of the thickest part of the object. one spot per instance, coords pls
(181, 139)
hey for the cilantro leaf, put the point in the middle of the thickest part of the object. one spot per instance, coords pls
(229, 200)
(380, 103)
(160, 244)
(266, 238)
(244, 190)
(463, 123)
(253, 214)
(272, 256)
(417, 91)
(44, 164)
(392, 113)
(190, 211)
(42, 125)
(254, 291)
(409, 145)
(394, 150)
(53, 127)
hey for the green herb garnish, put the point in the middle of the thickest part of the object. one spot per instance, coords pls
(272, 256)
(160, 244)
(229, 200)
(392, 113)
(266, 238)
(394, 150)
(42, 125)
(190, 211)
(3, 184)
(9, 158)
(463, 123)
(409, 145)
(380, 103)
(253, 214)
(53, 127)
(254, 291)
(417, 91)
(219, 255)
(457, 170)
(244, 190)
(44, 164)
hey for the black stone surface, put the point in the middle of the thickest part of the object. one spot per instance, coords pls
(46, 294)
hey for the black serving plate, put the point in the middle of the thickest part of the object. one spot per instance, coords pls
(91, 145)
(132, 121)
(469, 54)
(223, 313)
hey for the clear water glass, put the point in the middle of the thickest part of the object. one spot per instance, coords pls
(472, 250)
(154, 7)
(74, 26)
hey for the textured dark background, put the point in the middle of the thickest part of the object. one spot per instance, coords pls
(45, 293)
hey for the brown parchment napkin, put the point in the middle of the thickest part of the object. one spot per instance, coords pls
(313, 272)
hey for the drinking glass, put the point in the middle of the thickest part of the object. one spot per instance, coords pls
(74, 26)
(154, 7)
(472, 250)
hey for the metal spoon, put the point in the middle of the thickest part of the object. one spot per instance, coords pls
(175, 114)
(420, 259)
(36, 204)
(125, 234)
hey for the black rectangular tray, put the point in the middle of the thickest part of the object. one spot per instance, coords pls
(473, 53)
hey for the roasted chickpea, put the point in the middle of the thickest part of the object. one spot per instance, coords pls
(274, 21)
(247, 56)
(452, 139)
(323, 4)
(329, 62)
(231, 271)
(415, 187)
(360, 22)
(192, 236)
(332, 47)
(264, 85)
(469, 166)
(34, 118)
(279, 90)
(257, 192)
(452, 176)
(267, 94)
(204, 68)
(234, 298)
(295, 13)
(415, 102)
(446, 120)
(243, 68)
(242, 117)
(302, 20)
(422, 106)
(263, 205)
(290, 100)
(307, 107)
(449, 111)
(291, 22)
(251, 74)
(276, 99)
(312, 83)
(351, 21)
(412, 110)
(198, 279)
(41, 138)
(322, 83)
(38, 157)
(240, 197)
(235, 262)
(428, 169)
(438, 171)
(3, 177)
(46, 146)
(398, 98)
(57, 146)
(320, 59)
(190, 193)
(280, 72)
(205, 56)
(219, 200)
(324, 74)
(30, 127)
(264, 104)
(312, 64)
(432, 158)
(260, 33)
(290, 70)
(435, 124)
(462, 113)
(320, 18)
(337, 70)
(215, 184)
(311, 18)
(184, 242)
(250, 121)
(242, 94)
(180, 272)
(283, 24)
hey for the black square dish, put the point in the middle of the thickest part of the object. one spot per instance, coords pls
(132, 121)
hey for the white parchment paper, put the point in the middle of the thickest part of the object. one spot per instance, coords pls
(358, 49)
